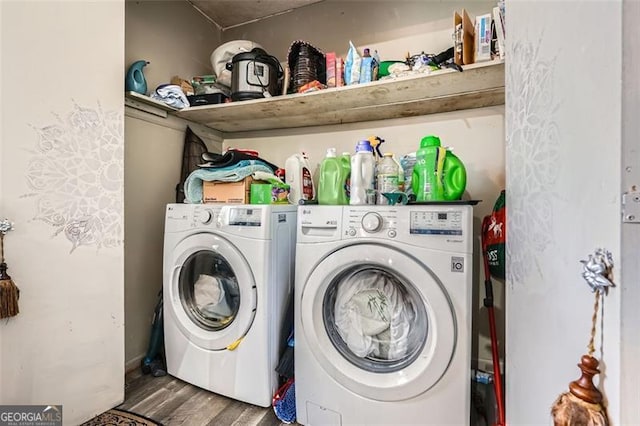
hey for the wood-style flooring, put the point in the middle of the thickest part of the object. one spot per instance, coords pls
(171, 401)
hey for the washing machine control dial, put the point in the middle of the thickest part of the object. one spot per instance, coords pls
(204, 216)
(371, 222)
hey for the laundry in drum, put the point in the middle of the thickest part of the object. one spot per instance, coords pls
(212, 299)
(373, 315)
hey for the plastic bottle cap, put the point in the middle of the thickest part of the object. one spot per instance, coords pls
(429, 141)
(331, 152)
(364, 146)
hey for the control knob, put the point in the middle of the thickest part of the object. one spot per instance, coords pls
(204, 216)
(371, 222)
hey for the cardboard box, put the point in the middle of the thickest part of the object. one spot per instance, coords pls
(464, 34)
(483, 38)
(331, 69)
(339, 72)
(227, 192)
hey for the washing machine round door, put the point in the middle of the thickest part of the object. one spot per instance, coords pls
(378, 321)
(212, 292)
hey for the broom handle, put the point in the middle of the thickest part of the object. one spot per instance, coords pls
(1, 247)
(497, 380)
(495, 354)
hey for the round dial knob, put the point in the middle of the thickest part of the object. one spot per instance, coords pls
(203, 216)
(371, 222)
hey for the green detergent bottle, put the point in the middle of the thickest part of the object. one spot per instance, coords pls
(331, 186)
(345, 178)
(438, 174)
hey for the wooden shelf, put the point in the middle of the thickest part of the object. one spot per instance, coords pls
(479, 85)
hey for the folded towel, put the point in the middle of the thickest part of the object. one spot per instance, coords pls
(230, 158)
(235, 173)
(172, 95)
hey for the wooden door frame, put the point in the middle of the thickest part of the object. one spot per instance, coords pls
(630, 238)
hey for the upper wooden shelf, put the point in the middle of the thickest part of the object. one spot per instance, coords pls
(479, 85)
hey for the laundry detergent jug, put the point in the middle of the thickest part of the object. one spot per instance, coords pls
(438, 175)
(331, 187)
(298, 177)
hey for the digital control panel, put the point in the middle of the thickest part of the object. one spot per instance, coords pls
(436, 222)
(242, 216)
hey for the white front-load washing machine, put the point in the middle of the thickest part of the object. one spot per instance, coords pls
(383, 314)
(228, 273)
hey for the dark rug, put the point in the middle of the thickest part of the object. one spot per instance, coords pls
(118, 417)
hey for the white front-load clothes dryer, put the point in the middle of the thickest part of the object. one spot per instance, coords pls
(383, 314)
(228, 273)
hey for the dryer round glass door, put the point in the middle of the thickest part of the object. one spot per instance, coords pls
(379, 321)
(209, 290)
(212, 291)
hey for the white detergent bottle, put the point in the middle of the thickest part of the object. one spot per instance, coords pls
(363, 167)
(297, 174)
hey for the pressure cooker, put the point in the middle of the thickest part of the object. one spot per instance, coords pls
(254, 74)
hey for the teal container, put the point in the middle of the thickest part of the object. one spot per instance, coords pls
(438, 174)
(135, 81)
(331, 184)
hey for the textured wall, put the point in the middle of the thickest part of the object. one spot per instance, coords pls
(62, 184)
(563, 180)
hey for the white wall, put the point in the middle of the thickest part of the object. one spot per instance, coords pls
(177, 40)
(393, 28)
(61, 183)
(170, 34)
(390, 26)
(563, 183)
(153, 161)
